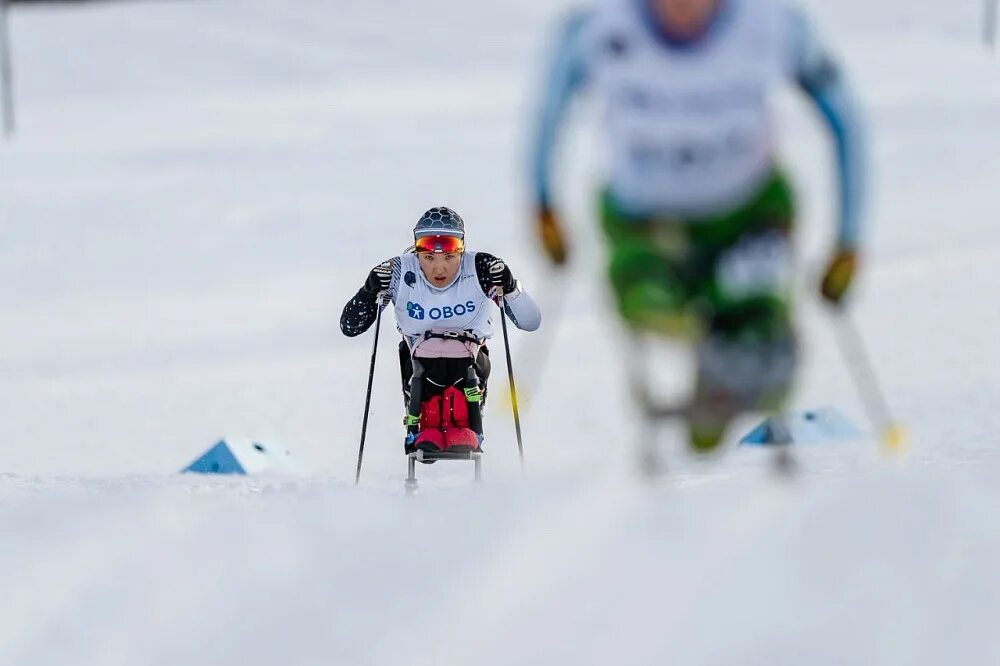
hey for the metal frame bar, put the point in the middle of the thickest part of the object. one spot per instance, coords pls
(412, 459)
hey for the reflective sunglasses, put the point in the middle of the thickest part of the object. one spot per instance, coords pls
(439, 244)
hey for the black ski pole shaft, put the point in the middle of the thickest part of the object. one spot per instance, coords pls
(6, 71)
(368, 394)
(510, 378)
(866, 382)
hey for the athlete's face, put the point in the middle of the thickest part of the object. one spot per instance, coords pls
(440, 269)
(685, 16)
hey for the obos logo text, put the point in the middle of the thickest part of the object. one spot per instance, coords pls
(416, 311)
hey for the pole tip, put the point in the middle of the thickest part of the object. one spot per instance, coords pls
(895, 440)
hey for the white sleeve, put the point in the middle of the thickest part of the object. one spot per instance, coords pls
(523, 311)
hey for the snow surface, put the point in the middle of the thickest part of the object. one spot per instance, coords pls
(195, 190)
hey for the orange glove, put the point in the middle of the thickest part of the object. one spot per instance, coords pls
(551, 234)
(839, 275)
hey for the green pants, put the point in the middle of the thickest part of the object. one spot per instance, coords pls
(728, 275)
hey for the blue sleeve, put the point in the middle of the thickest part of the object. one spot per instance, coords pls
(819, 76)
(566, 75)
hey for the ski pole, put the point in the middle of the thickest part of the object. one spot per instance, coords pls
(990, 24)
(535, 359)
(6, 71)
(368, 396)
(510, 376)
(856, 358)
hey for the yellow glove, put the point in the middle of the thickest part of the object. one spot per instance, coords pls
(839, 275)
(551, 234)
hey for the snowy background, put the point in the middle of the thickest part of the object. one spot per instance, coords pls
(195, 190)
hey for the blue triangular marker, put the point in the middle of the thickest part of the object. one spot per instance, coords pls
(819, 425)
(217, 460)
(759, 435)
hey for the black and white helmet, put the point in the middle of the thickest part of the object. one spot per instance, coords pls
(439, 222)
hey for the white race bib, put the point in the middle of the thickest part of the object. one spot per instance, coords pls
(461, 306)
(689, 129)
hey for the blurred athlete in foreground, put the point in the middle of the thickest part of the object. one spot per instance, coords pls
(696, 211)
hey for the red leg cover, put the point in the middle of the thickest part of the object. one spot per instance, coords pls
(430, 440)
(430, 413)
(461, 440)
(456, 408)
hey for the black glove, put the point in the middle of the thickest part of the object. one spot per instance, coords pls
(501, 277)
(379, 279)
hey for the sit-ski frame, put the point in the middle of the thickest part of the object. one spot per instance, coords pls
(655, 413)
(423, 456)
